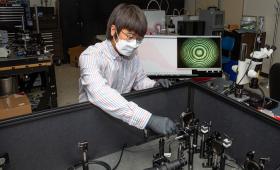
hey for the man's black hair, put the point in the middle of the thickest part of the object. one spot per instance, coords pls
(127, 16)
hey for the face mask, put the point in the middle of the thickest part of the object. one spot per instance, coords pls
(127, 47)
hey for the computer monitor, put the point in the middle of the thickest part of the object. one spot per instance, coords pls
(181, 56)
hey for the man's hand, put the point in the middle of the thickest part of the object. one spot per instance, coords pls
(161, 125)
(164, 83)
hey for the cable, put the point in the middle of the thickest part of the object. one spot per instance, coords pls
(170, 143)
(167, 8)
(182, 10)
(155, 2)
(175, 9)
(101, 163)
(116, 166)
(229, 89)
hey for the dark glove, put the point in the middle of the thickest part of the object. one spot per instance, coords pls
(161, 125)
(164, 83)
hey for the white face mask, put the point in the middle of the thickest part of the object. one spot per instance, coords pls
(127, 47)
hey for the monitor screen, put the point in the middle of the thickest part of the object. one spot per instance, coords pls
(181, 56)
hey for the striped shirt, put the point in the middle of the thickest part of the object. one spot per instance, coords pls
(105, 75)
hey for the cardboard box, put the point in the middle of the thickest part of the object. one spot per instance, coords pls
(14, 105)
(74, 54)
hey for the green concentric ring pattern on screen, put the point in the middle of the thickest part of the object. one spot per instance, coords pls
(199, 53)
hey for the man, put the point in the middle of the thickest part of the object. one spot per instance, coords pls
(112, 67)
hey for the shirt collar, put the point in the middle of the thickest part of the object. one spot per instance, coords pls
(113, 52)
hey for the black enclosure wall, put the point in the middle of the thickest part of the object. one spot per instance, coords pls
(49, 140)
(250, 130)
(81, 20)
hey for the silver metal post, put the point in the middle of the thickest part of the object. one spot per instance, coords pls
(23, 24)
(37, 20)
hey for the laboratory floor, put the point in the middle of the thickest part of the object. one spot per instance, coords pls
(67, 84)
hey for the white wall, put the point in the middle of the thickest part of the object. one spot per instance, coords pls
(233, 11)
(265, 8)
(194, 6)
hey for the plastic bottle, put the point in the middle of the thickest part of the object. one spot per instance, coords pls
(171, 27)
